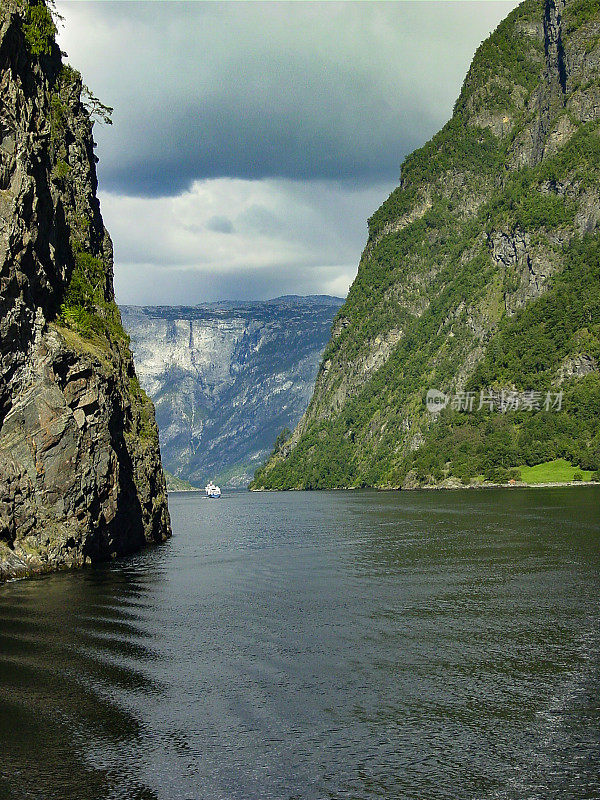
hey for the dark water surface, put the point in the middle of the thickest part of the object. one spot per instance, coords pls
(415, 645)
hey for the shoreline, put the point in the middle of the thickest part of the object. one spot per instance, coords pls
(439, 487)
(517, 485)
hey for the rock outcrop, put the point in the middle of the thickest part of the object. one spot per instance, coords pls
(226, 378)
(80, 472)
(481, 270)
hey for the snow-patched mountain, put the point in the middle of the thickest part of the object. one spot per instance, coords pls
(227, 377)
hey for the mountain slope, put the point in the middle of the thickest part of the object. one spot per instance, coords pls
(481, 273)
(227, 377)
(80, 472)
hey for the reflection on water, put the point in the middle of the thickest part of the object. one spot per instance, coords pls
(72, 649)
(326, 645)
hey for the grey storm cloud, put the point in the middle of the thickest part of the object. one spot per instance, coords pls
(302, 91)
(252, 140)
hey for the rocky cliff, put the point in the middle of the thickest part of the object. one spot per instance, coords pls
(480, 279)
(80, 472)
(226, 378)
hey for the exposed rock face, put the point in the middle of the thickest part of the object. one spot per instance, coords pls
(577, 366)
(226, 378)
(80, 472)
(491, 228)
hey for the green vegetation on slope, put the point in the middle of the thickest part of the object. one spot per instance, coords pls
(85, 308)
(88, 307)
(529, 347)
(175, 484)
(527, 352)
(39, 29)
(503, 62)
(558, 471)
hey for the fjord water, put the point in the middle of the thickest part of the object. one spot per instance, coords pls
(317, 645)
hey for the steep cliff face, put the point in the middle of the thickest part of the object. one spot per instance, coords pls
(227, 377)
(80, 472)
(481, 271)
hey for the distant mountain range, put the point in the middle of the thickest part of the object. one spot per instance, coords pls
(227, 377)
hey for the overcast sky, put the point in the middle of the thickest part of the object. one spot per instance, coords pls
(251, 141)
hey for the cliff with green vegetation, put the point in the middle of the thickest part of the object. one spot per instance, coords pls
(175, 484)
(480, 279)
(80, 472)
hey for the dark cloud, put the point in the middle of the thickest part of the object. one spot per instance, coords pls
(213, 147)
(305, 91)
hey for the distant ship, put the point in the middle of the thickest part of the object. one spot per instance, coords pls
(212, 490)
